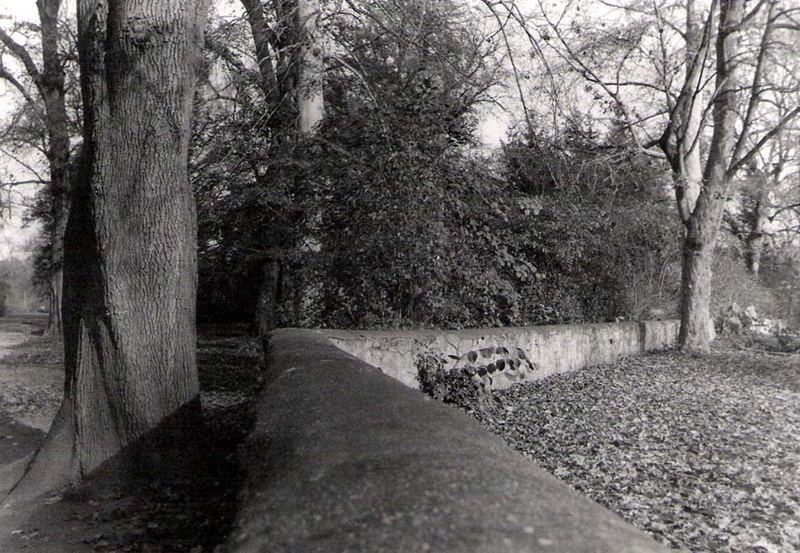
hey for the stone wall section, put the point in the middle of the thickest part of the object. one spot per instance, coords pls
(550, 349)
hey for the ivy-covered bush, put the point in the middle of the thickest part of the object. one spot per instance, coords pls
(455, 386)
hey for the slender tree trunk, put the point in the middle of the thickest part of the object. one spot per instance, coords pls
(756, 233)
(266, 307)
(309, 93)
(55, 293)
(688, 165)
(310, 104)
(51, 87)
(60, 214)
(260, 31)
(130, 262)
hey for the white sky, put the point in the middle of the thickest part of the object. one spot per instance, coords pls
(24, 9)
(13, 236)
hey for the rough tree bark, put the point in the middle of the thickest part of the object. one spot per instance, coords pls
(130, 262)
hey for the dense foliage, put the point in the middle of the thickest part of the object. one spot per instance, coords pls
(392, 215)
(608, 233)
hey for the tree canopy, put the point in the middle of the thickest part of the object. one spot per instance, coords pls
(393, 214)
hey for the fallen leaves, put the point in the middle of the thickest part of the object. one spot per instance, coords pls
(702, 453)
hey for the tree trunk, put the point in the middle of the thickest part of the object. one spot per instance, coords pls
(689, 112)
(260, 31)
(266, 318)
(55, 293)
(309, 94)
(51, 87)
(130, 263)
(697, 329)
(59, 211)
(756, 233)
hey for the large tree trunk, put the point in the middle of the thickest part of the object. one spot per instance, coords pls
(130, 266)
(51, 86)
(697, 329)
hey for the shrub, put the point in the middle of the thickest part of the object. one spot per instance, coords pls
(788, 340)
(732, 283)
(457, 387)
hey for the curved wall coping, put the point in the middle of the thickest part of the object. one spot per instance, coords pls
(344, 458)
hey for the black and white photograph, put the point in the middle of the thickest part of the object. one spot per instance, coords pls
(399, 276)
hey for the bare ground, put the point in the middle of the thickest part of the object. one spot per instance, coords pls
(178, 511)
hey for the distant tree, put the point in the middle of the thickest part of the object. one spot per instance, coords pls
(768, 199)
(130, 259)
(46, 103)
(707, 104)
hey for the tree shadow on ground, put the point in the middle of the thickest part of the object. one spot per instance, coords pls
(164, 494)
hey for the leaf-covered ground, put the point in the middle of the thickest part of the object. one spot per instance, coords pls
(31, 376)
(702, 453)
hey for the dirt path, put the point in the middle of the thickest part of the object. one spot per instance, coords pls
(31, 375)
(26, 395)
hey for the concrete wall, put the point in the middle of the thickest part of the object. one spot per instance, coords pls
(344, 458)
(551, 349)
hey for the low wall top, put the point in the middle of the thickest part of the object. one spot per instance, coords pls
(344, 458)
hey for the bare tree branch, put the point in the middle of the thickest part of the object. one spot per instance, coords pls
(22, 54)
(738, 163)
(23, 163)
(30, 100)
